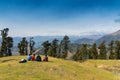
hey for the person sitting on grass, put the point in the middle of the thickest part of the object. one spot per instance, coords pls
(29, 57)
(45, 58)
(38, 58)
(33, 57)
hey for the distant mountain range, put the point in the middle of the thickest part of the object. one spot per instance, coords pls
(73, 38)
(107, 38)
(87, 38)
(92, 35)
(39, 39)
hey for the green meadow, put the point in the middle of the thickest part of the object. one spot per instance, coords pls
(58, 69)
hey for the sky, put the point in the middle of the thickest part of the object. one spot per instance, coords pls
(59, 17)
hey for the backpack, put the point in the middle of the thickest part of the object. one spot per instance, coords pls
(22, 61)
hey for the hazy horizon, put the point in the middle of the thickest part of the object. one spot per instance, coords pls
(59, 17)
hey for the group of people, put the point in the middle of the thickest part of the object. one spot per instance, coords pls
(34, 58)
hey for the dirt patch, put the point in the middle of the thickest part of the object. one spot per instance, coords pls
(116, 68)
(108, 68)
(104, 67)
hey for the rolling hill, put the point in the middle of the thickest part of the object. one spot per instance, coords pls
(109, 37)
(84, 41)
(58, 69)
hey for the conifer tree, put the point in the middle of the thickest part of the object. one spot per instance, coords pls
(46, 46)
(64, 44)
(22, 46)
(4, 34)
(31, 45)
(111, 49)
(103, 51)
(7, 43)
(93, 54)
(84, 52)
(76, 55)
(59, 55)
(117, 49)
(53, 48)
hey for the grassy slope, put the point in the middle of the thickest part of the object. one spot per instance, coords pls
(56, 69)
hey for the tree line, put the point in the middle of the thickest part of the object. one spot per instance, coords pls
(103, 51)
(55, 48)
(23, 46)
(59, 48)
(7, 44)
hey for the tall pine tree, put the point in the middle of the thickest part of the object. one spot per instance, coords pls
(103, 50)
(84, 52)
(53, 48)
(7, 43)
(93, 54)
(46, 46)
(117, 49)
(76, 56)
(31, 45)
(22, 46)
(64, 44)
(111, 50)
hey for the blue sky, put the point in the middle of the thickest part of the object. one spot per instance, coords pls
(59, 17)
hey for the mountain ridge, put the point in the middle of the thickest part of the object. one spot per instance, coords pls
(109, 37)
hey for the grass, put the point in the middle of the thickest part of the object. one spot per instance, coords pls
(58, 69)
